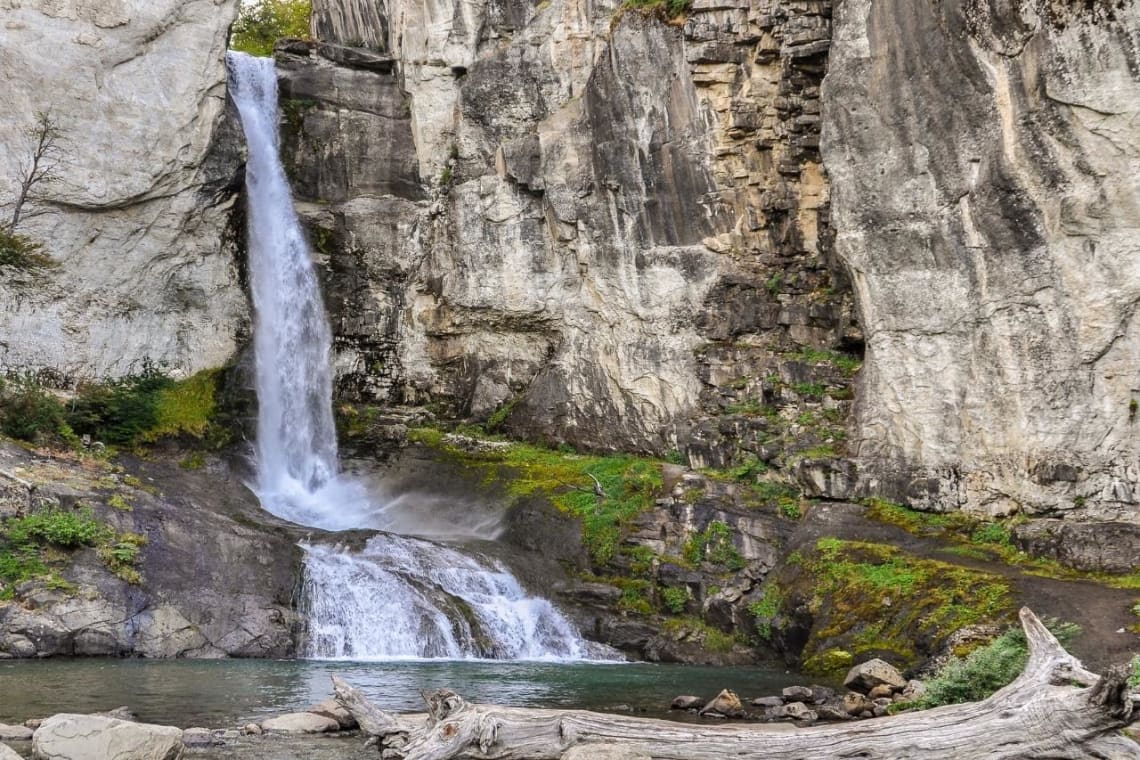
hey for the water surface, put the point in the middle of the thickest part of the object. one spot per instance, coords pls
(219, 693)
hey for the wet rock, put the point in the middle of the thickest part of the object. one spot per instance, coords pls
(330, 708)
(300, 723)
(867, 675)
(833, 710)
(197, 737)
(855, 703)
(800, 712)
(14, 733)
(92, 737)
(724, 705)
(768, 702)
(687, 702)
(821, 694)
(798, 694)
(913, 690)
(882, 690)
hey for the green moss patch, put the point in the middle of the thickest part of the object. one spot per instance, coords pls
(569, 480)
(986, 541)
(867, 598)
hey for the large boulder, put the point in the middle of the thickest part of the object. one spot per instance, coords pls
(92, 737)
(330, 708)
(14, 733)
(7, 753)
(724, 705)
(300, 723)
(867, 675)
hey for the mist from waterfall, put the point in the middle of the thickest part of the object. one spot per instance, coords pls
(400, 597)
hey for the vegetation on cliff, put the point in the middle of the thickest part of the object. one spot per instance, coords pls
(259, 25)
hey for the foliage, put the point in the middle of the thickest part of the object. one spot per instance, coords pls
(765, 611)
(21, 252)
(1134, 676)
(846, 363)
(714, 545)
(675, 598)
(30, 413)
(61, 528)
(628, 484)
(985, 670)
(868, 597)
(121, 411)
(695, 629)
(259, 25)
(117, 501)
(810, 390)
(670, 8)
(991, 541)
(791, 510)
(121, 554)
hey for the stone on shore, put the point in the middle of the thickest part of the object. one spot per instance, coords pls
(198, 737)
(687, 702)
(867, 675)
(7, 753)
(14, 733)
(330, 708)
(93, 737)
(300, 723)
(797, 694)
(724, 705)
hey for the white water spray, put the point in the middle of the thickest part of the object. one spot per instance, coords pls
(400, 597)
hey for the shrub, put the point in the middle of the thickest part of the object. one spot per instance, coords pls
(714, 545)
(675, 598)
(30, 413)
(20, 252)
(259, 25)
(120, 411)
(987, 669)
(58, 527)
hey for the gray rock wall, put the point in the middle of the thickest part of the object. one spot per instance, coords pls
(619, 231)
(984, 161)
(137, 220)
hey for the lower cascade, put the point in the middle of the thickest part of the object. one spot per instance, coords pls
(434, 601)
(400, 597)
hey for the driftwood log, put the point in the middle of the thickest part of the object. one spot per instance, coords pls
(1055, 709)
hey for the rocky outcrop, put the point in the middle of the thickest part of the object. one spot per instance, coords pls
(983, 159)
(214, 576)
(138, 217)
(90, 737)
(607, 253)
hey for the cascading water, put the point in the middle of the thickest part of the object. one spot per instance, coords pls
(400, 597)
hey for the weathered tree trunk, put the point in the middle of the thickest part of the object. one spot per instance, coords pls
(1055, 709)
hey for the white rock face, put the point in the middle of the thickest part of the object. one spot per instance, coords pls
(986, 175)
(90, 737)
(137, 219)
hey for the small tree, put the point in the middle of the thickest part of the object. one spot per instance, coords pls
(43, 167)
(262, 22)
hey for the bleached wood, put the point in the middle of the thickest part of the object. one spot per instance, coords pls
(1055, 709)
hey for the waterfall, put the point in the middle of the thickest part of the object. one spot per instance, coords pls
(400, 597)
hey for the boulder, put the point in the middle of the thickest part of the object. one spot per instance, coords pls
(330, 708)
(94, 737)
(833, 710)
(300, 723)
(7, 753)
(768, 701)
(252, 729)
(800, 711)
(821, 694)
(197, 737)
(14, 733)
(686, 702)
(855, 703)
(797, 694)
(726, 704)
(867, 675)
(914, 690)
(882, 690)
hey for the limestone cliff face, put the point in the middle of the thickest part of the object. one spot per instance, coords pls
(984, 159)
(137, 220)
(613, 227)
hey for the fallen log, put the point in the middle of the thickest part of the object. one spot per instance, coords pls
(1055, 709)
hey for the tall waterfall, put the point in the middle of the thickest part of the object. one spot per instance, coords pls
(399, 597)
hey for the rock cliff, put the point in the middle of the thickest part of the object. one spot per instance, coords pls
(984, 160)
(137, 219)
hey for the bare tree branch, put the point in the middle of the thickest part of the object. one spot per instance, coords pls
(41, 168)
